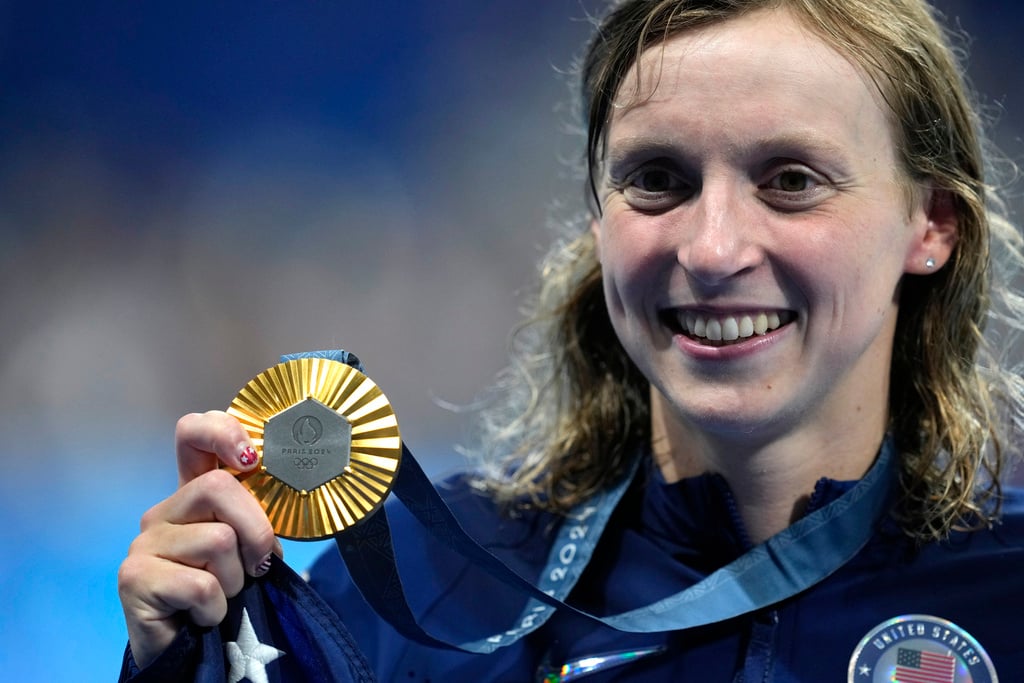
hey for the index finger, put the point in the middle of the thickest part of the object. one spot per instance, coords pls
(203, 439)
(219, 497)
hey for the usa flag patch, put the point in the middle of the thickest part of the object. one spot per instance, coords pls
(918, 648)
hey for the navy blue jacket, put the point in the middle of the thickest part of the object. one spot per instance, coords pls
(661, 539)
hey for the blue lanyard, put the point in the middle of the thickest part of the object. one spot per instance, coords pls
(369, 556)
(784, 565)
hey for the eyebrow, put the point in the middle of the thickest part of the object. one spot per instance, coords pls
(800, 143)
(639, 147)
(796, 144)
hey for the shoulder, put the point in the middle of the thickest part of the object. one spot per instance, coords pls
(999, 544)
(939, 572)
(520, 537)
(441, 586)
(1009, 528)
(495, 526)
(895, 561)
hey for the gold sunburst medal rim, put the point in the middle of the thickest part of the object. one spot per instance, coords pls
(375, 457)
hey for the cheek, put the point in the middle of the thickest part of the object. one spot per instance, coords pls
(876, 269)
(630, 248)
(631, 266)
(845, 256)
(851, 286)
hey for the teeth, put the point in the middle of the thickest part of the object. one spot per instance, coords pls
(760, 324)
(729, 328)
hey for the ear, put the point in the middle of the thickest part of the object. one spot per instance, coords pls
(936, 224)
(595, 230)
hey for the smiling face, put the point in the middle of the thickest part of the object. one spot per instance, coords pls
(754, 229)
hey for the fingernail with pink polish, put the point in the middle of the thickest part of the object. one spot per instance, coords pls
(248, 456)
(263, 567)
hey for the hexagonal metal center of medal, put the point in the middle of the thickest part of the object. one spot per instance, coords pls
(306, 445)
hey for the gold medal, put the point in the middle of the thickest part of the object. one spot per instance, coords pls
(328, 444)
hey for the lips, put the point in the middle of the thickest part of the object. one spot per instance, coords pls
(723, 329)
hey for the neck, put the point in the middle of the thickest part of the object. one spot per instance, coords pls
(771, 478)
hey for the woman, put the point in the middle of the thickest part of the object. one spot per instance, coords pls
(780, 292)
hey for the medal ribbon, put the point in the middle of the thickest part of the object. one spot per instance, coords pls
(784, 565)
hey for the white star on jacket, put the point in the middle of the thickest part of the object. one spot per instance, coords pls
(248, 656)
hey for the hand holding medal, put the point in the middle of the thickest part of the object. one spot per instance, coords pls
(328, 446)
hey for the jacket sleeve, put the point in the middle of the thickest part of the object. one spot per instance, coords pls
(277, 629)
(177, 663)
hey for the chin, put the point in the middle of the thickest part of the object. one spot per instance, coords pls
(738, 422)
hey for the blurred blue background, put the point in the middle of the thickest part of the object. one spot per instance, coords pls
(188, 190)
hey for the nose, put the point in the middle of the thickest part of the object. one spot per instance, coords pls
(717, 240)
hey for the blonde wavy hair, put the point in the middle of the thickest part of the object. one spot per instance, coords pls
(572, 410)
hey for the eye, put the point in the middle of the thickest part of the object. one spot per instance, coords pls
(655, 180)
(655, 187)
(795, 188)
(791, 181)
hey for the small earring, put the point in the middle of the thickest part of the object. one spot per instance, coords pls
(929, 263)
